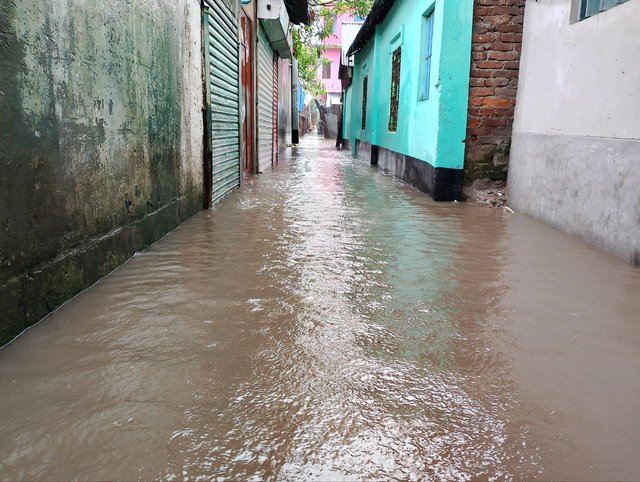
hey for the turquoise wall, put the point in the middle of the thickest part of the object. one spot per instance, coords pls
(431, 130)
(346, 115)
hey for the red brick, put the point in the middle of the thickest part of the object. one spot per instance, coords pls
(509, 10)
(481, 91)
(511, 37)
(486, 37)
(486, 111)
(481, 73)
(473, 122)
(497, 102)
(497, 82)
(506, 92)
(478, 131)
(509, 29)
(509, 74)
(489, 64)
(496, 47)
(496, 20)
(495, 122)
(503, 111)
(501, 46)
(503, 55)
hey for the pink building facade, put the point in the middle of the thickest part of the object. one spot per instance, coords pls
(328, 72)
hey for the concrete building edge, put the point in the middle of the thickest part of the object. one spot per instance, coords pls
(546, 168)
(633, 257)
(30, 297)
(442, 184)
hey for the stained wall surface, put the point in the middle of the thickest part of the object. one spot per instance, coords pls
(575, 159)
(100, 141)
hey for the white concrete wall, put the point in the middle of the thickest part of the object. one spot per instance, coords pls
(333, 99)
(575, 159)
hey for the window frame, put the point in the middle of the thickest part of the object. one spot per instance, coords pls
(365, 95)
(426, 53)
(394, 89)
(585, 8)
(326, 65)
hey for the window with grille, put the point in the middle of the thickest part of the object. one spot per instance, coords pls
(427, 50)
(589, 8)
(395, 89)
(365, 85)
(326, 70)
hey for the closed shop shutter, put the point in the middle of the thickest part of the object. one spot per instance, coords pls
(224, 89)
(265, 101)
(275, 109)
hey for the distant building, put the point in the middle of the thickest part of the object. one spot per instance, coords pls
(432, 90)
(575, 159)
(345, 28)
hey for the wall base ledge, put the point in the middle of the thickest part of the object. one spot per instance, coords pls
(583, 185)
(29, 297)
(440, 183)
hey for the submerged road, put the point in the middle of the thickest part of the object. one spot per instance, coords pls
(327, 322)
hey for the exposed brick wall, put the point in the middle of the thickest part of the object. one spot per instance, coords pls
(495, 60)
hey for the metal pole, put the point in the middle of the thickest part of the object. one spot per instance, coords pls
(295, 115)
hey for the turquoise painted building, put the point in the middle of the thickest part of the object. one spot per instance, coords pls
(406, 107)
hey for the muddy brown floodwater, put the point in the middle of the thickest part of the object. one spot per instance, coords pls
(328, 322)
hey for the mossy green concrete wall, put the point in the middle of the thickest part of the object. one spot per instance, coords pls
(100, 141)
(431, 130)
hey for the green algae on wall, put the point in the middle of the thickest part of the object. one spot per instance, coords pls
(100, 141)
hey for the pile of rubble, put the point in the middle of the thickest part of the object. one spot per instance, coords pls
(492, 194)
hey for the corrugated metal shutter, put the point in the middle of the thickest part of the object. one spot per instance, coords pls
(265, 101)
(224, 81)
(275, 108)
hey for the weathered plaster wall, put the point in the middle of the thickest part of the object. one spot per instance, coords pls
(100, 141)
(575, 160)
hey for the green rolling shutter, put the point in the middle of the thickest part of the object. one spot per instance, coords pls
(222, 58)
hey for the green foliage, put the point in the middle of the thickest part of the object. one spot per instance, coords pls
(308, 56)
(307, 39)
(336, 7)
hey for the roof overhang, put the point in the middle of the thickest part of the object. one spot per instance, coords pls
(377, 15)
(298, 11)
(274, 17)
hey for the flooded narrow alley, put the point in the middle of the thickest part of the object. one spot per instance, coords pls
(327, 322)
